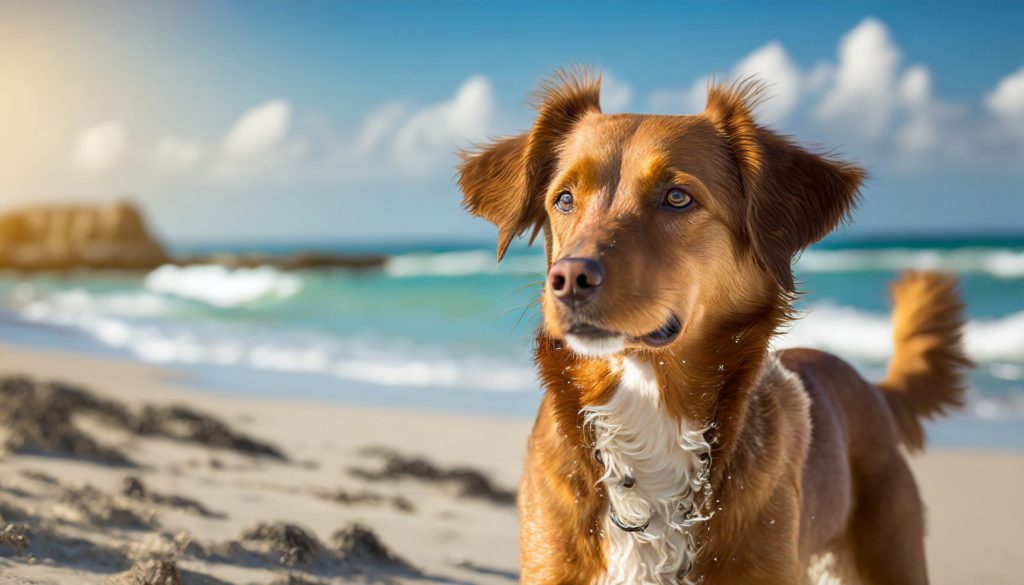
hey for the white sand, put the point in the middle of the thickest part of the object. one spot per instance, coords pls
(975, 500)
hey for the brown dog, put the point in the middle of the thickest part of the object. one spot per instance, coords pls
(672, 446)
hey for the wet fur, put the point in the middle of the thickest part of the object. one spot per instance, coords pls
(807, 472)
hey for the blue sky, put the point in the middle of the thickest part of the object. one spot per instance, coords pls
(336, 121)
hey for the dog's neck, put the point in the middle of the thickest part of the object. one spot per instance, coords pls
(655, 477)
(654, 415)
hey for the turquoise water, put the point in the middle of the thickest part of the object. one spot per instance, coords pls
(444, 327)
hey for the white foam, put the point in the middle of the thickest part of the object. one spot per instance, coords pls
(860, 335)
(380, 362)
(133, 304)
(463, 263)
(1001, 263)
(223, 287)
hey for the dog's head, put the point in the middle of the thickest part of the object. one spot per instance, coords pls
(655, 224)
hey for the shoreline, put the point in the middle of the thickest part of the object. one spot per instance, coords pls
(959, 430)
(975, 507)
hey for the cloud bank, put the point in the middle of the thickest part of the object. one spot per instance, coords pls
(101, 148)
(866, 98)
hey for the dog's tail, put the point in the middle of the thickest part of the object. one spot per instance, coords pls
(926, 374)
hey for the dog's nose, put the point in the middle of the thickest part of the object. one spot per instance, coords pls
(575, 280)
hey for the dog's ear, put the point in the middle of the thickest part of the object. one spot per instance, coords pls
(794, 197)
(504, 182)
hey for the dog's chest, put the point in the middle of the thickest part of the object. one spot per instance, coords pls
(655, 469)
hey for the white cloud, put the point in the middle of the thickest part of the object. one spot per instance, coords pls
(772, 65)
(432, 134)
(396, 141)
(259, 129)
(175, 154)
(101, 147)
(260, 146)
(769, 63)
(681, 101)
(819, 77)
(1007, 99)
(865, 80)
(616, 94)
(380, 124)
(874, 106)
(920, 132)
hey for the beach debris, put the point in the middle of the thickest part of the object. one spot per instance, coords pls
(348, 498)
(359, 545)
(287, 544)
(45, 543)
(39, 476)
(133, 488)
(469, 483)
(355, 549)
(149, 572)
(186, 424)
(469, 565)
(15, 536)
(226, 552)
(40, 417)
(10, 511)
(87, 505)
(294, 579)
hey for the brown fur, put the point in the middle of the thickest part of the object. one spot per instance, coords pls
(781, 496)
(926, 373)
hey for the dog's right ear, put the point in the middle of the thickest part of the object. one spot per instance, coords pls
(505, 182)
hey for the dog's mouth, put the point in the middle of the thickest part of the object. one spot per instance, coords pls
(660, 337)
(665, 334)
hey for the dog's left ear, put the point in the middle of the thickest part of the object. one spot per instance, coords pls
(505, 182)
(794, 196)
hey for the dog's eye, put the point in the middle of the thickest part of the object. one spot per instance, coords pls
(564, 202)
(676, 199)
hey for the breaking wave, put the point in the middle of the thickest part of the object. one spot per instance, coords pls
(1006, 263)
(860, 335)
(219, 286)
(1001, 263)
(385, 362)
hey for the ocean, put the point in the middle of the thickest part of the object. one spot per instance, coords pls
(444, 327)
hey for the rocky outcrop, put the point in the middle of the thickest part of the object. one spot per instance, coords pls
(66, 237)
(115, 237)
(297, 261)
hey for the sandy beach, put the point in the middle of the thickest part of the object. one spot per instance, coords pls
(238, 489)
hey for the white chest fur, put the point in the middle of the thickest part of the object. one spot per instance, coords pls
(638, 439)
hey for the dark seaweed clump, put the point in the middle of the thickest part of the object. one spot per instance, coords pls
(40, 418)
(469, 482)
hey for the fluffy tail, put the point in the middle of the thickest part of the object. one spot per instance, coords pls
(926, 374)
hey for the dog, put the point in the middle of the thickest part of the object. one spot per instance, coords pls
(672, 444)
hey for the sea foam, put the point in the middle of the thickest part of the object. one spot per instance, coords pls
(861, 335)
(1001, 263)
(1004, 263)
(219, 286)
